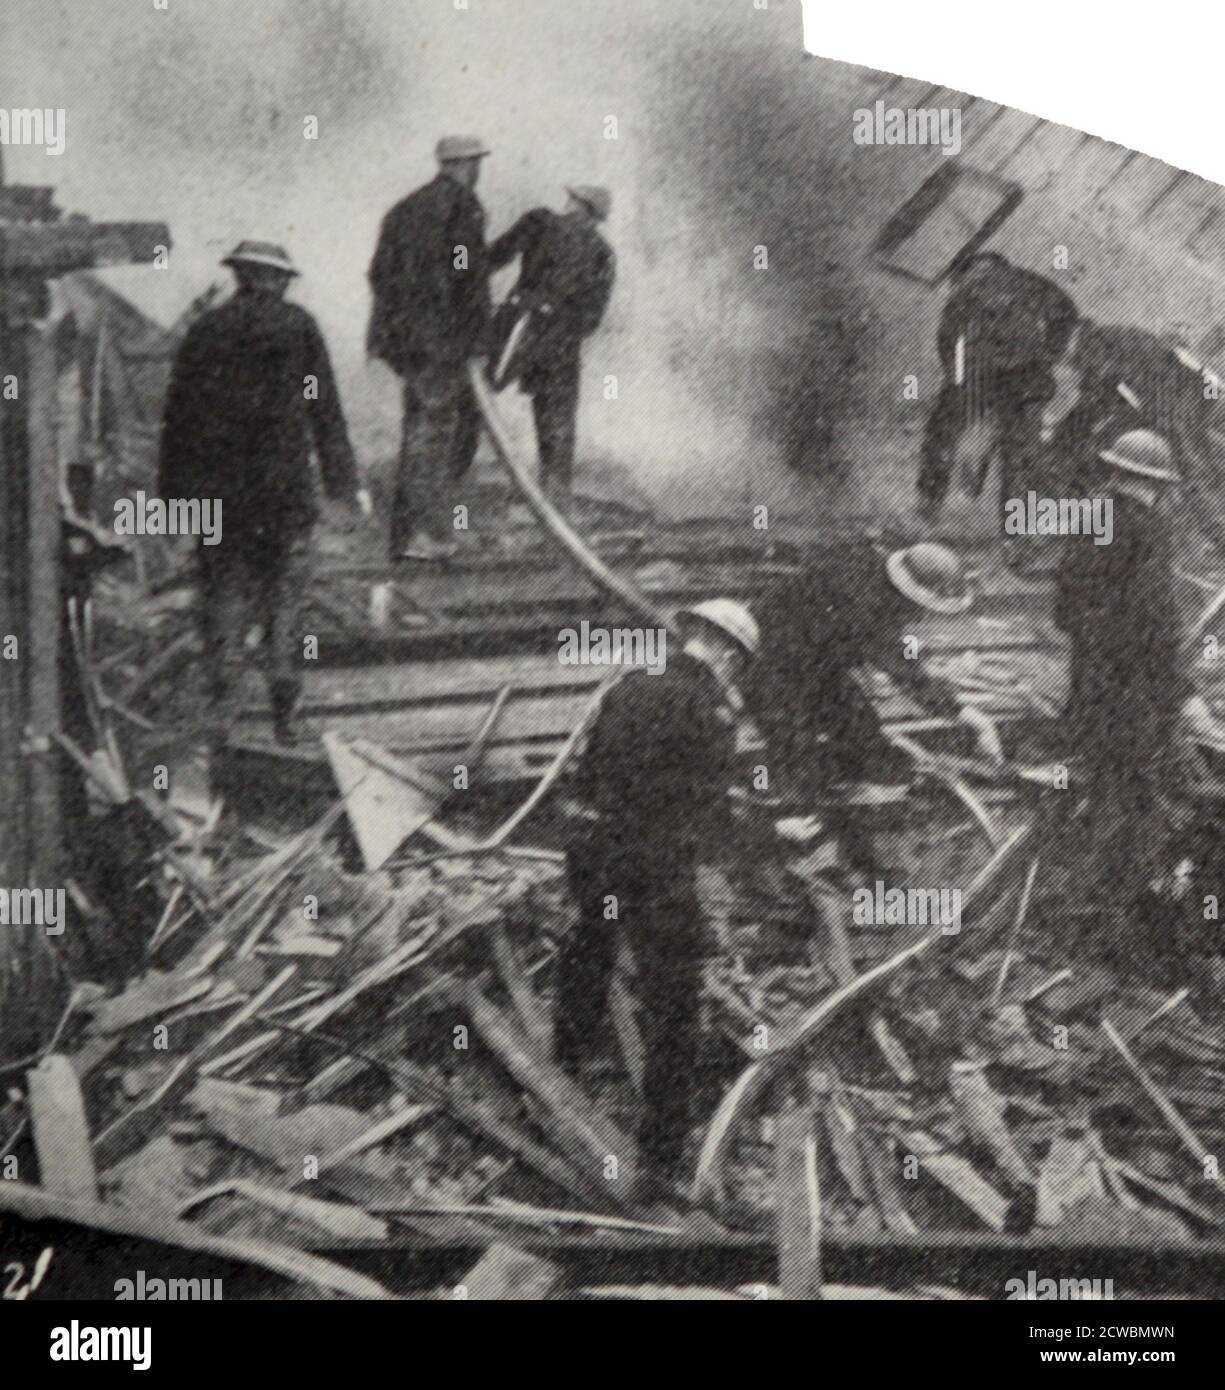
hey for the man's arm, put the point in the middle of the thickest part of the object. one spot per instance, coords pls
(178, 423)
(516, 240)
(336, 460)
(469, 287)
(596, 293)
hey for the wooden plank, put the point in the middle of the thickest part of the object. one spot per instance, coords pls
(797, 1212)
(1137, 185)
(1183, 210)
(343, 1222)
(61, 1131)
(587, 1138)
(959, 1177)
(41, 656)
(509, 1275)
(1001, 140)
(529, 1008)
(1093, 167)
(1046, 154)
(32, 1204)
(154, 993)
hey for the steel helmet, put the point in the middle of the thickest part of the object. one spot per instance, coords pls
(594, 197)
(731, 618)
(261, 253)
(1144, 453)
(932, 576)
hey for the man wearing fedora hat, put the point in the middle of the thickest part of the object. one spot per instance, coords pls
(1131, 701)
(566, 272)
(852, 607)
(429, 279)
(251, 395)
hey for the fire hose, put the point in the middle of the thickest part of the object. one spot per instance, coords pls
(550, 518)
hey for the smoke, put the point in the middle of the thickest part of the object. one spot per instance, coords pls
(725, 371)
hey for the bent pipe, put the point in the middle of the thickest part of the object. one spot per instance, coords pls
(708, 1180)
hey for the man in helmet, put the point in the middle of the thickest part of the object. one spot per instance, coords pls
(566, 272)
(1131, 700)
(429, 279)
(1002, 330)
(239, 428)
(851, 608)
(653, 783)
(1131, 379)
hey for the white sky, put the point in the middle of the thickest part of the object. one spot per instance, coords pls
(1146, 76)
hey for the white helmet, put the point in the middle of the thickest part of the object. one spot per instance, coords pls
(729, 617)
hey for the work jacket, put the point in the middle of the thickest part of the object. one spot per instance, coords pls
(1116, 603)
(1011, 320)
(429, 278)
(659, 762)
(840, 614)
(566, 275)
(251, 391)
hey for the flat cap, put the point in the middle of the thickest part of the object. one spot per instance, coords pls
(262, 253)
(460, 147)
(593, 196)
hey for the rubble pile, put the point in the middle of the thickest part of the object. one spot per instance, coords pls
(315, 1056)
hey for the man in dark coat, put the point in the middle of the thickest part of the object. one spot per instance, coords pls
(1133, 379)
(1131, 699)
(654, 782)
(848, 610)
(429, 278)
(565, 278)
(1001, 333)
(251, 392)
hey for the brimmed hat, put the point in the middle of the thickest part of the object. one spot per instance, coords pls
(731, 618)
(261, 253)
(932, 576)
(1143, 453)
(596, 198)
(460, 147)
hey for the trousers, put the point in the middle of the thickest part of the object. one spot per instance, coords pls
(555, 410)
(438, 443)
(241, 586)
(656, 907)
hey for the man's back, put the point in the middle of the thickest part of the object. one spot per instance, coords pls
(429, 275)
(1010, 318)
(659, 757)
(566, 264)
(1116, 603)
(239, 423)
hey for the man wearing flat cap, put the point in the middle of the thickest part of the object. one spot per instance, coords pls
(566, 272)
(429, 278)
(251, 394)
